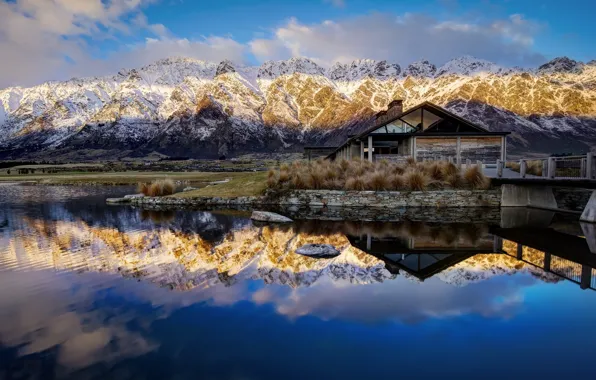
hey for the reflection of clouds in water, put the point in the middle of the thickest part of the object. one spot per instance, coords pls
(399, 300)
(41, 310)
(88, 315)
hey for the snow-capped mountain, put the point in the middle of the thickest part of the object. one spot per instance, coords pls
(187, 107)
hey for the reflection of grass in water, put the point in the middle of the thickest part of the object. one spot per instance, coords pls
(449, 234)
(158, 216)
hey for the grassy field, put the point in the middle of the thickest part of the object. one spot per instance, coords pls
(123, 178)
(240, 185)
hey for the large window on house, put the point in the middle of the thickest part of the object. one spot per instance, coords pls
(429, 119)
(396, 126)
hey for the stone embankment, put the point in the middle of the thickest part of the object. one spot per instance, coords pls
(352, 199)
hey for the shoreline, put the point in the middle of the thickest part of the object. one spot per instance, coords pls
(337, 198)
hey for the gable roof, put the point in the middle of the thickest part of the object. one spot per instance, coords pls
(435, 108)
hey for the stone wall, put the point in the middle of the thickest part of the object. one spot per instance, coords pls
(353, 199)
(572, 199)
(435, 148)
(485, 149)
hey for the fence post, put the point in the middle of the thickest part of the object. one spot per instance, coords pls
(589, 165)
(552, 167)
(522, 168)
(500, 165)
(582, 168)
(544, 168)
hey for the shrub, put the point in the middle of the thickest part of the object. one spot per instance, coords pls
(284, 176)
(416, 180)
(397, 182)
(355, 183)
(377, 181)
(157, 188)
(143, 188)
(475, 178)
(449, 169)
(364, 175)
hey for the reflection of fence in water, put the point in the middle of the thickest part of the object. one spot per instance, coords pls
(565, 268)
(533, 256)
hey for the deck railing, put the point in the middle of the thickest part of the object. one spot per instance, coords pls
(566, 167)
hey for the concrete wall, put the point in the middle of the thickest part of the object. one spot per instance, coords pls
(485, 149)
(435, 148)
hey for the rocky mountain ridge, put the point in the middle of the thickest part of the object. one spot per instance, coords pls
(187, 107)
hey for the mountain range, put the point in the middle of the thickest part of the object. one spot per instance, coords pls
(193, 108)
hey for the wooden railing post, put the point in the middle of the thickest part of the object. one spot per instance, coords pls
(582, 168)
(500, 165)
(544, 168)
(522, 168)
(552, 167)
(589, 165)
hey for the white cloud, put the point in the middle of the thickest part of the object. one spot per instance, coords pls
(44, 40)
(402, 39)
(41, 39)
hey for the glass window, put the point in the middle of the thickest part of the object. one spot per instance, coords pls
(397, 126)
(414, 118)
(429, 119)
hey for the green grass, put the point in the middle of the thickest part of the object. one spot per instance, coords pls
(119, 178)
(240, 185)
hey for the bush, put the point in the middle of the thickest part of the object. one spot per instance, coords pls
(475, 178)
(157, 188)
(361, 175)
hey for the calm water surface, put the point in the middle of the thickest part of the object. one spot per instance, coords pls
(94, 291)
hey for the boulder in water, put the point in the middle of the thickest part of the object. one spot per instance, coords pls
(265, 216)
(320, 251)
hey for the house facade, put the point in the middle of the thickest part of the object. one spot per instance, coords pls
(424, 132)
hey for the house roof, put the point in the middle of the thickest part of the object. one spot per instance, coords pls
(439, 111)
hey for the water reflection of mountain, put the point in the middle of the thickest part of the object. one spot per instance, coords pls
(184, 250)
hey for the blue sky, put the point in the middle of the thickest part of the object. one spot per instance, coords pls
(58, 39)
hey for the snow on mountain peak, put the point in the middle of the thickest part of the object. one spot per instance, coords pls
(362, 68)
(420, 69)
(468, 65)
(561, 65)
(274, 69)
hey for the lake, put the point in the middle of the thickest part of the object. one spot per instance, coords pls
(94, 291)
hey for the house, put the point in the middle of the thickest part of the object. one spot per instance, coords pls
(424, 132)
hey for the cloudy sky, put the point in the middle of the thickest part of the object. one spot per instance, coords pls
(58, 39)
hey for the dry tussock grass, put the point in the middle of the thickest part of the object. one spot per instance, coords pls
(157, 188)
(358, 175)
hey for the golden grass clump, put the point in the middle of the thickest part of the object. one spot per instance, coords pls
(157, 188)
(355, 183)
(143, 188)
(397, 182)
(449, 169)
(475, 178)
(416, 180)
(378, 181)
(379, 176)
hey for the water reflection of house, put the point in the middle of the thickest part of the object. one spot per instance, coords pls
(422, 257)
(565, 255)
(426, 131)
